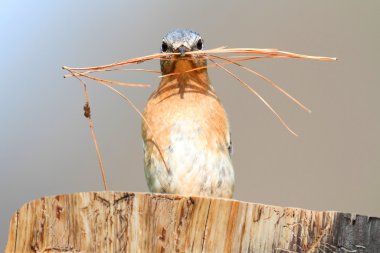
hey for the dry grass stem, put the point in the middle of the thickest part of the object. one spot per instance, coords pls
(76, 73)
(114, 69)
(91, 124)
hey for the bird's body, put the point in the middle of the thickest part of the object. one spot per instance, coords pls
(188, 125)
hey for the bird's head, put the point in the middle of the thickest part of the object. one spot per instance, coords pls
(181, 41)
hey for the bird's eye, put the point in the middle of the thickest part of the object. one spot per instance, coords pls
(200, 44)
(164, 47)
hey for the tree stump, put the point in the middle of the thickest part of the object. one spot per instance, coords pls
(144, 222)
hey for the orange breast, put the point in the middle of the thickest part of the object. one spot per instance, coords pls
(203, 112)
(187, 122)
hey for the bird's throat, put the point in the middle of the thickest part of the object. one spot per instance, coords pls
(185, 75)
(183, 65)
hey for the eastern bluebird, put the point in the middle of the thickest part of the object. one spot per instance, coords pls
(189, 125)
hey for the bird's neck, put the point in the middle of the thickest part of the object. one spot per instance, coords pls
(185, 75)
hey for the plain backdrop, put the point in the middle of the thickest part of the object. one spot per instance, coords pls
(46, 146)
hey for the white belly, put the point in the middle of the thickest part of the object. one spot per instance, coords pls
(199, 164)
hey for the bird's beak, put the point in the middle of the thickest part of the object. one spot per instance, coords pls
(182, 50)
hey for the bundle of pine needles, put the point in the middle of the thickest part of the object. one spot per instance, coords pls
(229, 56)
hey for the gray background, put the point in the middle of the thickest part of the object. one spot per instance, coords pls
(45, 142)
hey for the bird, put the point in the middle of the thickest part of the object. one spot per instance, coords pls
(186, 132)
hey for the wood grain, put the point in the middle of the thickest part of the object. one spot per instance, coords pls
(144, 222)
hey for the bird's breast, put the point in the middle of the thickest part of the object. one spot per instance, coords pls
(191, 117)
(192, 133)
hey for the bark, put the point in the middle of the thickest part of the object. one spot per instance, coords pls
(142, 222)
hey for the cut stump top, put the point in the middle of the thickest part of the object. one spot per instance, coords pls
(145, 222)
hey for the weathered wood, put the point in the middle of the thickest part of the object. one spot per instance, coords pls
(143, 222)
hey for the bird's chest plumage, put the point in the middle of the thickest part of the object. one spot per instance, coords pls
(192, 132)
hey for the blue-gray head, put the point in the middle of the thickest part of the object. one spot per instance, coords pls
(181, 41)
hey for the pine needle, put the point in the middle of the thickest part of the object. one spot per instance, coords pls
(91, 124)
(259, 96)
(143, 118)
(268, 81)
